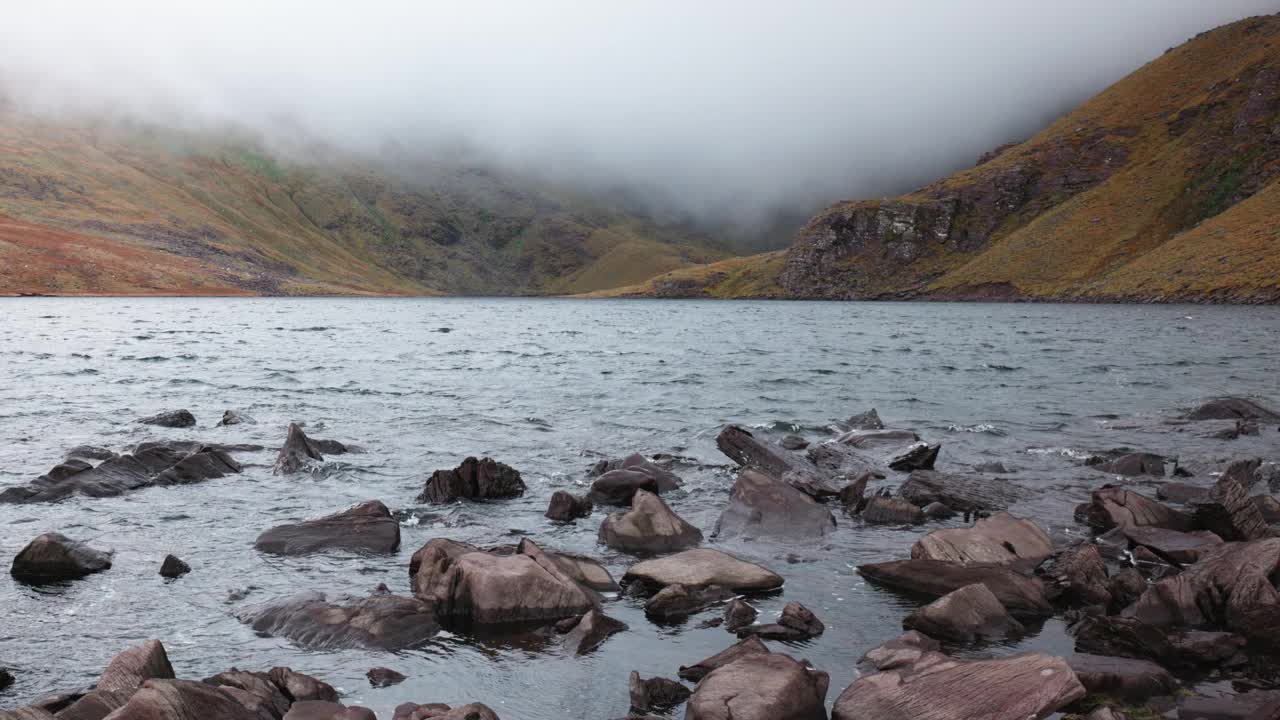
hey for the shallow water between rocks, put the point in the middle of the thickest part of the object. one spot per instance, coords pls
(550, 387)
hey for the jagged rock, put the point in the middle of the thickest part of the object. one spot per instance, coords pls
(618, 487)
(324, 710)
(1228, 512)
(703, 567)
(1111, 507)
(440, 711)
(936, 687)
(1231, 408)
(885, 510)
(678, 600)
(381, 677)
(129, 669)
(1173, 546)
(1180, 493)
(183, 700)
(797, 622)
(739, 614)
(760, 687)
(170, 419)
(1246, 472)
(1023, 596)
(964, 615)
(962, 493)
(762, 506)
(816, 486)
(904, 650)
(53, 556)
(1078, 577)
(853, 495)
(173, 567)
(733, 653)
(1133, 464)
(869, 420)
(296, 452)
(829, 461)
(663, 478)
(565, 507)
(920, 456)
(1227, 582)
(591, 631)
(367, 527)
(655, 693)
(759, 454)
(467, 584)
(1124, 679)
(794, 442)
(381, 621)
(235, 417)
(299, 687)
(257, 686)
(1126, 586)
(650, 526)
(150, 464)
(1002, 539)
(473, 480)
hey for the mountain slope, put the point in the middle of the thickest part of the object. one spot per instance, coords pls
(1160, 188)
(237, 219)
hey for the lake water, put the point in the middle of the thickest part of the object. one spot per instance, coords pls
(549, 387)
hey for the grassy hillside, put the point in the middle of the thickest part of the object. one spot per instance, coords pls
(1162, 187)
(219, 214)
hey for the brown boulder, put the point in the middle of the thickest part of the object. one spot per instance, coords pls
(797, 622)
(1230, 408)
(474, 479)
(760, 505)
(1112, 507)
(565, 507)
(655, 693)
(884, 510)
(733, 653)
(738, 614)
(703, 567)
(1001, 539)
(367, 527)
(678, 601)
(52, 557)
(1022, 595)
(960, 492)
(963, 615)
(1227, 582)
(591, 631)
(760, 687)
(378, 622)
(440, 711)
(1173, 546)
(296, 452)
(1078, 577)
(650, 526)
(1126, 679)
(1133, 464)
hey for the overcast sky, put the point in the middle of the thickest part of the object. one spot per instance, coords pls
(717, 108)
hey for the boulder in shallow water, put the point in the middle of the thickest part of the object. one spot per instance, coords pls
(885, 510)
(482, 479)
(738, 614)
(566, 507)
(901, 651)
(298, 686)
(656, 693)
(650, 526)
(170, 419)
(869, 420)
(1078, 577)
(235, 417)
(183, 700)
(296, 452)
(797, 622)
(1172, 546)
(961, 492)
(53, 556)
(591, 631)
(1024, 596)
(679, 601)
(703, 567)
(1229, 512)
(737, 651)
(1223, 587)
(937, 687)
(1001, 538)
(1231, 408)
(768, 686)
(323, 710)
(920, 456)
(173, 567)
(440, 711)
(964, 615)
(761, 506)
(665, 480)
(381, 621)
(618, 487)
(1133, 465)
(794, 442)
(1111, 507)
(150, 464)
(1126, 679)
(381, 677)
(758, 453)
(367, 527)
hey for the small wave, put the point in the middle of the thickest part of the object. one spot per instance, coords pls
(985, 428)
(1001, 368)
(82, 356)
(1063, 451)
(822, 371)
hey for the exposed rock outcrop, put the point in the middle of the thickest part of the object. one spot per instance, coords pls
(172, 566)
(1111, 507)
(52, 557)
(648, 527)
(297, 451)
(1230, 408)
(381, 621)
(1001, 539)
(739, 650)
(655, 693)
(566, 507)
(797, 622)
(591, 631)
(150, 464)
(761, 687)
(482, 479)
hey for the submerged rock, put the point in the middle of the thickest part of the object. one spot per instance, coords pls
(170, 419)
(648, 527)
(885, 510)
(473, 480)
(367, 527)
(1133, 464)
(920, 456)
(1126, 679)
(869, 420)
(381, 621)
(739, 614)
(1231, 408)
(565, 507)
(53, 556)
(1001, 538)
(150, 464)
(1024, 596)
(618, 487)
(964, 615)
(794, 442)
(797, 622)
(173, 567)
(961, 492)
(760, 505)
(703, 567)
(655, 693)
(591, 631)
(381, 677)
(635, 462)
(767, 686)
(678, 601)
(235, 417)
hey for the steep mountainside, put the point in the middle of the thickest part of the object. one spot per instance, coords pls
(137, 210)
(1161, 188)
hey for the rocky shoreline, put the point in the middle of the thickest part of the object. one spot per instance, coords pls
(1165, 591)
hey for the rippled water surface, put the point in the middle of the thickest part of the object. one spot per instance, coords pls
(548, 386)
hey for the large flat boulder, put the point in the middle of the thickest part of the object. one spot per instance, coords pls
(505, 585)
(762, 506)
(680, 601)
(937, 687)
(1181, 548)
(440, 711)
(961, 492)
(1111, 507)
(650, 526)
(1221, 589)
(381, 621)
(768, 686)
(703, 567)
(149, 465)
(474, 479)
(367, 527)
(973, 612)
(1002, 539)
(52, 557)
(1024, 596)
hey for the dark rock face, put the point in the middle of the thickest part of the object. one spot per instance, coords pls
(936, 687)
(1002, 539)
(796, 623)
(655, 693)
(1078, 577)
(1233, 409)
(6, 679)
(760, 505)
(591, 631)
(678, 601)
(367, 527)
(52, 557)
(618, 487)
(749, 451)
(1227, 583)
(869, 420)
(794, 442)
(378, 622)
(703, 567)
(150, 464)
(648, 527)
(469, 585)
(663, 478)
(1112, 507)
(738, 614)
(1191, 650)
(1269, 507)
(440, 711)
(760, 687)
(737, 651)
(920, 456)
(884, 510)
(566, 507)
(964, 615)
(297, 451)
(170, 419)
(1023, 596)
(235, 417)
(474, 480)
(1124, 679)
(962, 493)
(173, 567)
(1229, 512)
(1133, 464)
(381, 677)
